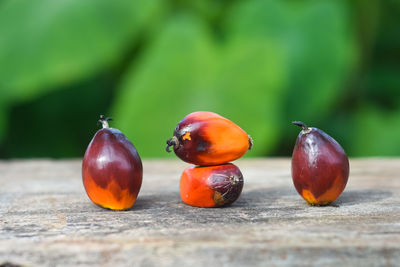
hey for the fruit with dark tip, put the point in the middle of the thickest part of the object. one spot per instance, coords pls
(206, 138)
(211, 186)
(112, 169)
(320, 167)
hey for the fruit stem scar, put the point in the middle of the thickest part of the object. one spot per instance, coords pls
(250, 142)
(303, 126)
(233, 179)
(172, 142)
(104, 121)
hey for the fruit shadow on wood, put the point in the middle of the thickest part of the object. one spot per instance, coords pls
(355, 197)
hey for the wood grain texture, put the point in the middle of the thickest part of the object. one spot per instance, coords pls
(46, 219)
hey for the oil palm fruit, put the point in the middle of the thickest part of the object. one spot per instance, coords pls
(211, 186)
(320, 167)
(206, 138)
(112, 169)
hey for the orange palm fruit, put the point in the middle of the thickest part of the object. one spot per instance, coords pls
(320, 167)
(112, 169)
(206, 138)
(211, 186)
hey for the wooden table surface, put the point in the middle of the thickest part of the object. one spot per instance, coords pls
(46, 219)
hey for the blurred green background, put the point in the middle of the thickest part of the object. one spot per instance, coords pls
(332, 64)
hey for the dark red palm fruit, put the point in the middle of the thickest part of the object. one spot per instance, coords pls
(320, 167)
(112, 169)
(211, 186)
(206, 138)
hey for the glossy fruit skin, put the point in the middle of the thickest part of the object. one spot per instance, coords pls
(211, 186)
(112, 170)
(320, 167)
(206, 138)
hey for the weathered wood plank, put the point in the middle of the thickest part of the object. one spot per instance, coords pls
(46, 219)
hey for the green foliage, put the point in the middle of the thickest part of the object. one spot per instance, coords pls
(48, 44)
(149, 63)
(50, 124)
(376, 132)
(3, 120)
(317, 44)
(56, 42)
